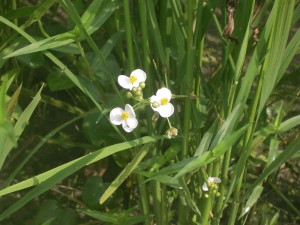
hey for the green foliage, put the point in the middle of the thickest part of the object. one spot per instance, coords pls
(232, 69)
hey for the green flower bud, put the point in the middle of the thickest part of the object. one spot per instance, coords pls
(138, 93)
(206, 196)
(129, 95)
(142, 85)
(155, 104)
(134, 89)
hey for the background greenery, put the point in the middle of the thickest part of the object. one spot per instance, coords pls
(238, 118)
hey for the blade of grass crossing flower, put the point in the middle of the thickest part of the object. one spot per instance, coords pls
(277, 44)
(48, 179)
(21, 124)
(124, 174)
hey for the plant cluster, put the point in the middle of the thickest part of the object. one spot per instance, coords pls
(206, 132)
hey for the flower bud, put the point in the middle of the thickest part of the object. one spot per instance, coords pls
(138, 93)
(129, 95)
(134, 89)
(155, 104)
(142, 85)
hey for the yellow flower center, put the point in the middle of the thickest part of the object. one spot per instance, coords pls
(211, 183)
(132, 79)
(124, 116)
(164, 101)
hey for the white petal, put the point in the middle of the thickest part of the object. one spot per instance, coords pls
(166, 110)
(132, 123)
(140, 75)
(216, 180)
(130, 111)
(204, 187)
(164, 93)
(124, 82)
(126, 127)
(154, 99)
(115, 116)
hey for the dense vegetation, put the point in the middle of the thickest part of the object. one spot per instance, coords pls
(149, 112)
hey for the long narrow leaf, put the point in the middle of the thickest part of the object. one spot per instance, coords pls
(48, 179)
(124, 174)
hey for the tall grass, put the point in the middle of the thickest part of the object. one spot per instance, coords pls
(220, 115)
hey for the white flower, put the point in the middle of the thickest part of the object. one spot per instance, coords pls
(161, 102)
(211, 183)
(136, 77)
(125, 117)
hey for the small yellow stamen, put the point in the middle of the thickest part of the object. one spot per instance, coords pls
(132, 79)
(164, 101)
(124, 116)
(211, 183)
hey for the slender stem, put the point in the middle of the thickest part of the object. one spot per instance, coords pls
(42, 29)
(183, 212)
(86, 63)
(128, 34)
(248, 137)
(189, 79)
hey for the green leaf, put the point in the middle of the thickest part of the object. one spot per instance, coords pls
(252, 200)
(124, 174)
(20, 126)
(206, 140)
(57, 80)
(216, 152)
(288, 153)
(156, 32)
(48, 179)
(90, 13)
(229, 125)
(277, 45)
(45, 44)
(289, 124)
(124, 218)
